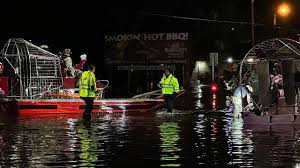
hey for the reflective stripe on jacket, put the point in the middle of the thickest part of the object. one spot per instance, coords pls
(87, 86)
(169, 84)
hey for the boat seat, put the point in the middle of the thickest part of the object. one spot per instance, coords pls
(69, 83)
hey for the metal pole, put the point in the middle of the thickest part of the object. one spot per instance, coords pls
(148, 83)
(213, 69)
(128, 82)
(252, 22)
(274, 20)
(183, 73)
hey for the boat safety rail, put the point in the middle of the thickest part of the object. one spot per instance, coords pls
(155, 94)
(102, 84)
(148, 94)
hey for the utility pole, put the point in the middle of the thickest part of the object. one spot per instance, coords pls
(252, 22)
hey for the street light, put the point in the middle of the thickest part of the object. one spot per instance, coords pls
(282, 10)
(229, 60)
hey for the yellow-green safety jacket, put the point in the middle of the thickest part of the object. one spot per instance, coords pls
(87, 86)
(169, 84)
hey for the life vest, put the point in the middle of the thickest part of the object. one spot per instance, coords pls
(87, 86)
(169, 84)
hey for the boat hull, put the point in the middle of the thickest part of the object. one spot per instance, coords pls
(250, 119)
(67, 106)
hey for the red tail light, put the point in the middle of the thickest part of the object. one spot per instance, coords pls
(214, 87)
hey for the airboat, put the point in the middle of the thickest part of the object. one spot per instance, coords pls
(268, 91)
(32, 83)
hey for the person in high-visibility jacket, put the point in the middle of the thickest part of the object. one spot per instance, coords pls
(170, 88)
(87, 90)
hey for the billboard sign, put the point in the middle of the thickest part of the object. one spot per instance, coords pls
(159, 48)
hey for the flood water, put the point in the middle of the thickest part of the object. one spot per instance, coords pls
(197, 137)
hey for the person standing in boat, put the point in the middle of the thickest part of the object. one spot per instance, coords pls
(68, 62)
(170, 88)
(87, 90)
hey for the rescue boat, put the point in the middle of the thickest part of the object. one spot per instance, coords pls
(269, 78)
(34, 84)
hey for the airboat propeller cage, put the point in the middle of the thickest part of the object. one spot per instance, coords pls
(287, 52)
(33, 71)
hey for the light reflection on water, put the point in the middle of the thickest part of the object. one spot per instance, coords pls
(169, 132)
(181, 139)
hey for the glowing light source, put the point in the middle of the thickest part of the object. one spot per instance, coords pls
(214, 87)
(201, 66)
(229, 60)
(250, 60)
(284, 9)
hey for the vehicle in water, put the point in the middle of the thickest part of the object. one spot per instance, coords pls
(269, 78)
(32, 83)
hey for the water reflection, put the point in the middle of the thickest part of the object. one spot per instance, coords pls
(169, 132)
(214, 102)
(88, 146)
(277, 144)
(198, 105)
(241, 146)
(209, 145)
(182, 139)
(34, 144)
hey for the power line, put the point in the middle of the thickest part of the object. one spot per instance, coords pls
(199, 19)
(215, 21)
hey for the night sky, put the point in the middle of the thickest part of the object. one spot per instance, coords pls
(81, 25)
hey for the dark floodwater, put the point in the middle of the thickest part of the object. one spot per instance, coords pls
(186, 138)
